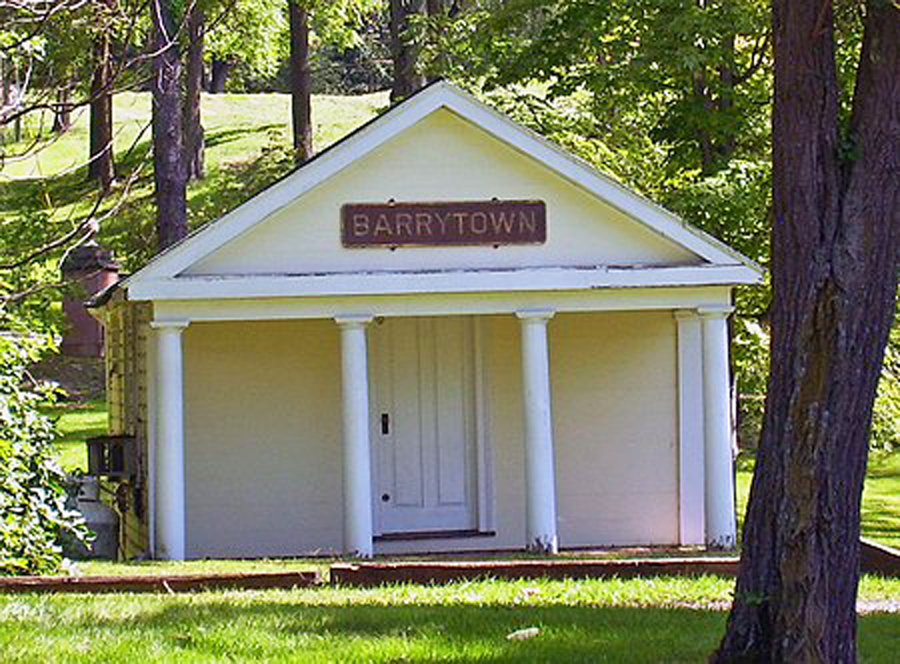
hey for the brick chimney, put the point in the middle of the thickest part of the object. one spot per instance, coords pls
(91, 268)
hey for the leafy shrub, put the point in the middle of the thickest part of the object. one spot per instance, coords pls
(33, 513)
(886, 416)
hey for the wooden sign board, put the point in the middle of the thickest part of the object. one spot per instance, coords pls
(462, 223)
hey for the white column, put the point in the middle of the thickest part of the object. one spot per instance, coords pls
(357, 456)
(719, 504)
(691, 512)
(169, 451)
(540, 476)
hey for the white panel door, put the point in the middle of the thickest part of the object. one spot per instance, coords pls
(423, 433)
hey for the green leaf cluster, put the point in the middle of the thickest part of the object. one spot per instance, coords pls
(885, 436)
(692, 76)
(33, 513)
(254, 35)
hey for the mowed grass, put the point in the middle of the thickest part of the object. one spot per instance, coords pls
(639, 620)
(881, 500)
(237, 126)
(247, 141)
(77, 421)
(173, 567)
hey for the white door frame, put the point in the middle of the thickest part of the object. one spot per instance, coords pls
(483, 484)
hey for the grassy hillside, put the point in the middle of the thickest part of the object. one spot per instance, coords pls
(247, 138)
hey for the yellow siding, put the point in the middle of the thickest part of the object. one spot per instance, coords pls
(127, 329)
(439, 159)
(263, 435)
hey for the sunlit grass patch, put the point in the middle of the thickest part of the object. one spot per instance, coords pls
(577, 621)
(76, 422)
(881, 500)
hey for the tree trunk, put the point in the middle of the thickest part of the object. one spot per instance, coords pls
(193, 130)
(835, 254)
(704, 137)
(403, 51)
(170, 175)
(727, 142)
(301, 110)
(220, 70)
(436, 10)
(101, 166)
(62, 113)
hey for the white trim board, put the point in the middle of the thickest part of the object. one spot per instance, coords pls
(437, 304)
(451, 281)
(206, 240)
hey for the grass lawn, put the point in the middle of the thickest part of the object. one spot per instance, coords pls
(246, 138)
(613, 621)
(76, 422)
(881, 496)
(881, 500)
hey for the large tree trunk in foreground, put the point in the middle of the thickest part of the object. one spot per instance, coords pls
(403, 51)
(301, 82)
(101, 167)
(193, 84)
(835, 254)
(170, 175)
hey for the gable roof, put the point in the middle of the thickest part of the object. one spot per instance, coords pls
(439, 95)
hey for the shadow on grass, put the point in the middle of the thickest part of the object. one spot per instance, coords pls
(216, 137)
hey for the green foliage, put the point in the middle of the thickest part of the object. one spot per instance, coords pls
(692, 77)
(363, 67)
(33, 513)
(886, 416)
(253, 35)
(732, 205)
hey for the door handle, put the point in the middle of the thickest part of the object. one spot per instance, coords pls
(385, 424)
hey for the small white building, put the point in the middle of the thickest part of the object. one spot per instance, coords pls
(441, 334)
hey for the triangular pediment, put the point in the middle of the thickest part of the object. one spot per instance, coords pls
(441, 152)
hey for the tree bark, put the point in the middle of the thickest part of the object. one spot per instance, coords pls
(170, 175)
(727, 142)
(403, 51)
(101, 166)
(218, 75)
(301, 108)
(436, 10)
(835, 254)
(193, 130)
(62, 113)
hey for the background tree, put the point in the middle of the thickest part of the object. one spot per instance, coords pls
(247, 39)
(301, 84)
(333, 23)
(692, 76)
(193, 84)
(101, 166)
(835, 256)
(404, 49)
(170, 174)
